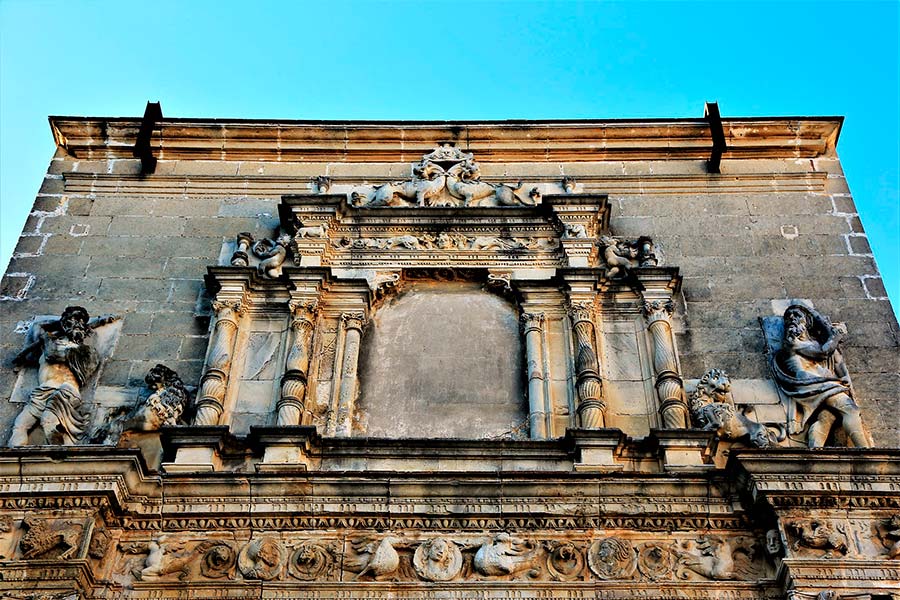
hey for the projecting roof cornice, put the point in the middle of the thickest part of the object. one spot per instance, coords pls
(405, 141)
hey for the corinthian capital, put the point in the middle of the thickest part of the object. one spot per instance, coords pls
(532, 321)
(353, 320)
(303, 310)
(581, 310)
(234, 305)
(653, 310)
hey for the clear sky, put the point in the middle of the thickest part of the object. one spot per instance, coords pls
(455, 60)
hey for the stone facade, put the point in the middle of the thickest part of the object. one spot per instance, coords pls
(447, 360)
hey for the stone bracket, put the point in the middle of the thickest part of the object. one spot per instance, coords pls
(686, 450)
(284, 449)
(196, 449)
(596, 450)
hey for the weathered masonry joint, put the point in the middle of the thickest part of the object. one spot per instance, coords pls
(561, 359)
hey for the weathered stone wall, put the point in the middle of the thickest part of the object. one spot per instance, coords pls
(746, 241)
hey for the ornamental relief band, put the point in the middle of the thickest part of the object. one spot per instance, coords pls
(447, 383)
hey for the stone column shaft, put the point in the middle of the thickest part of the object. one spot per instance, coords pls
(669, 387)
(533, 326)
(588, 384)
(214, 383)
(294, 383)
(352, 323)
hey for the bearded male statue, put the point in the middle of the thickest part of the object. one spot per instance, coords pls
(811, 372)
(65, 361)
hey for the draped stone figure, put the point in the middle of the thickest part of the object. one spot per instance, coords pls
(65, 361)
(811, 372)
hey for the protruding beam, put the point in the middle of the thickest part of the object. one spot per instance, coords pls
(142, 149)
(712, 116)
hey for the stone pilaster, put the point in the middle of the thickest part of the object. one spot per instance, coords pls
(669, 387)
(533, 329)
(588, 384)
(352, 323)
(214, 383)
(289, 410)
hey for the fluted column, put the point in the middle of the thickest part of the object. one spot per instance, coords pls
(289, 410)
(533, 328)
(214, 383)
(669, 387)
(352, 324)
(588, 384)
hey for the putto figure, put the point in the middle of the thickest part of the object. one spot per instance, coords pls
(65, 361)
(810, 371)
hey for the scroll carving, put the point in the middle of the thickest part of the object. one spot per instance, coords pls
(294, 382)
(591, 406)
(213, 384)
(669, 387)
(445, 177)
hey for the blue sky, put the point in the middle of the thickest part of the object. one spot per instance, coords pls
(455, 60)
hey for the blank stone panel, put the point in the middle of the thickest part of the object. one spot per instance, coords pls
(444, 360)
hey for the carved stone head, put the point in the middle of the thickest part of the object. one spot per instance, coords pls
(161, 377)
(74, 323)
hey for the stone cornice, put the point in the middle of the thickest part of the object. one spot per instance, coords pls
(367, 141)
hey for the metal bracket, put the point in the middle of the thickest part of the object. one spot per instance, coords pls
(712, 116)
(142, 149)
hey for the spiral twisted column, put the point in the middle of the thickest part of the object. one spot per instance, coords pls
(591, 406)
(289, 409)
(352, 324)
(669, 387)
(533, 328)
(214, 383)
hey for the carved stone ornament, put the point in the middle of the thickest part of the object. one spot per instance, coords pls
(241, 258)
(377, 558)
(262, 558)
(218, 560)
(165, 558)
(621, 255)
(166, 403)
(272, 254)
(655, 561)
(447, 240)
(810, 371)
(504, 555)
(612, 558)
(322, 184)
(445, 177)
(49, 539)
(310, 561)
(816, 534)
(565, 562)
(713, 557)
(438, 559)
(892, 536)
(713, 409)
(65, 358)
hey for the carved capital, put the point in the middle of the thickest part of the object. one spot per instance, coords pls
(532, 321)
(230, 307)
(353, 320)
(302, 311)
(654, 310)
(581, 310)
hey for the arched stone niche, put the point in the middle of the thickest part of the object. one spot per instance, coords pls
(443, 360)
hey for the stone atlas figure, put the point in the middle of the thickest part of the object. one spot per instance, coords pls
(810, 371)
(65, 360)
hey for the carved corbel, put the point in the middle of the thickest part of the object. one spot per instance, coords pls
(352, 323)
(533, 329)
(289, 410)
(669, 386)
(214, 383)
(591, 407)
